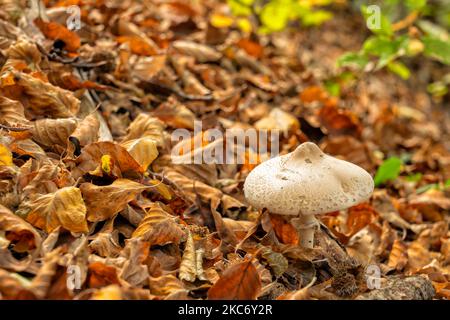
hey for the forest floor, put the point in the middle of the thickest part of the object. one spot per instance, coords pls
(93, 207)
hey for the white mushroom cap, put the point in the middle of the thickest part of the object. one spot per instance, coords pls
(307, 181)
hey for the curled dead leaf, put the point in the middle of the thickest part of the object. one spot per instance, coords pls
(143, 150)
(16, 235)
(159, 227)
(91, 155)
(50, 132)
(64, 207)
(103, 202)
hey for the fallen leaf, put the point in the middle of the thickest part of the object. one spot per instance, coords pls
(143, 150)
(191, 263)
(241, 281)
(158, 227)
(398, 258)
(16, 236)
(5, 156)
(91, 155)
(103, 202)
(284, 230)
(50, 132)
(138, 45)
(64, 207)
(56, 31)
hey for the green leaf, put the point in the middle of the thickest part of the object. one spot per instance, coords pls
(376, 21)
(399, 69)
(353, 58)
(447, 184)
(437, 49)
(415, 4)
(437, 89)
(385, 48)
(389, 170)
(416, 177)
(333, 88)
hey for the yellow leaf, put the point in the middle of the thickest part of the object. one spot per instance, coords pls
(143, 150)
(64, 207)
(162, 189)
(106, 163)
(5, 156)
(245, 25)
(111, 292)
(220, 21)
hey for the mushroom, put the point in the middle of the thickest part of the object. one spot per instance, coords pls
(304, 183)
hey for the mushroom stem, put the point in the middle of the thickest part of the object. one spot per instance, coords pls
(306, 226)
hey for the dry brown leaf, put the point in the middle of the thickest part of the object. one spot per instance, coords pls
(398, 258)
(143, 150)
(50, 132)
(86, 131)
(167, 285)
(91, 156)
(41, 283)
(200, 52)
(146, 126)
(25, 50)
(148, 67)
(138, 45)
(28, 147)
(16, 235)
(11, 112)
(241, 281)
(44, 99)
(175, 114)
(64, 207)
(159, 227)
(101, 275)
(278, 120)
(103, 202)
(191, 266)
(13, 286)
(134, 270)
(418, 256)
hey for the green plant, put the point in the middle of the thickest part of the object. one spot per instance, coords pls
(389, 170)
(410, 36)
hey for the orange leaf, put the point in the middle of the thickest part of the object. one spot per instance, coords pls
(359, 216)
(252, 48)
(101, 275)
(285, 231)
(241, 281)
(313, 93)
(137, 45)
(338, 121)
(55, 31)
